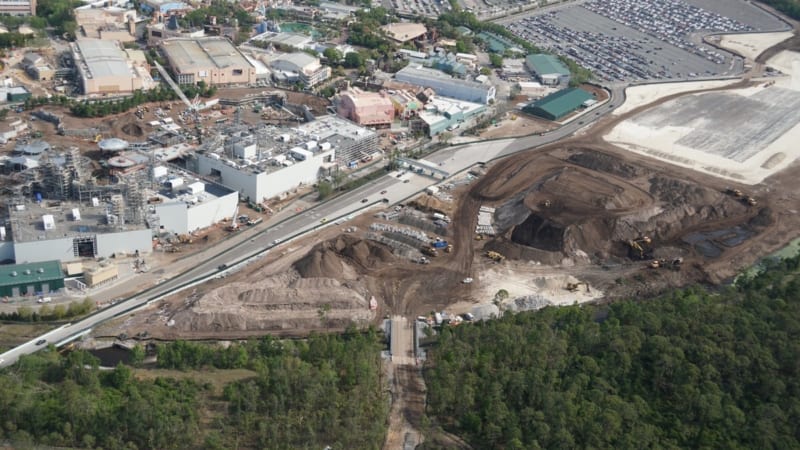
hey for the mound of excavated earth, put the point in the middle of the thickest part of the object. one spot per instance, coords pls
(322, 290)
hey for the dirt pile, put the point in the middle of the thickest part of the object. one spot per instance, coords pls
(280, 303)
(340, 257)
(593, 210)
(429, 203)
(132, 129)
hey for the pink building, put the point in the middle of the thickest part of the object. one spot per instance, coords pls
(366, 108)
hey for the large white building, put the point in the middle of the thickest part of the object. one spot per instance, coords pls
(213, 60)
(185, 204)
(303, 66)
(68, 232)
(445, 85)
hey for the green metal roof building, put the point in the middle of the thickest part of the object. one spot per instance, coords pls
(548, 68)
(31, 279)
(558, 104)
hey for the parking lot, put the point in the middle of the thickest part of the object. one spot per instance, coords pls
(426, 8)
(615, 51)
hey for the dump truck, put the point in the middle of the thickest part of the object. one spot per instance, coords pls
(494, 256)
(429, 251)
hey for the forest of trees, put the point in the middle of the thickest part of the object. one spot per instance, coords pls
(789, 7)
(326, 390)
(692, 369)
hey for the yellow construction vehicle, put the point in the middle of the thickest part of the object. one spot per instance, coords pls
(546, 203)
(429, 251)
(449, 248)
(751, 201)
(478, 237)
(97, 138)
(638, 245)
(572, 287)
(185, 239)
(675, 264)
(734, 192)
(494, 256)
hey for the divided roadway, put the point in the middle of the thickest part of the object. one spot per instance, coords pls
(454, 160)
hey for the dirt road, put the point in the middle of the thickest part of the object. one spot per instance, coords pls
(407, 388)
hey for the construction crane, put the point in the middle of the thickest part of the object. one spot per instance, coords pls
(234, 226)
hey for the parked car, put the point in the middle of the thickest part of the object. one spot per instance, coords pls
(383, 192)
(365, 200)
(40, 342)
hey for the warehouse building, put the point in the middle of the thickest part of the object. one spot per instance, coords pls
(559, 104)
(302, 67)
(213, 60)
(70, 231)
(404, 31)
(185, 204)
(366, 108)
(548, 69)
(39, 278)
(447, 86)
(444, 114)
(103, 68)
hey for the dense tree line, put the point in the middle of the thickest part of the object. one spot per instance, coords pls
(51, 400)
(691, 369)
(326, 390)
(789, 7)
(48, 313)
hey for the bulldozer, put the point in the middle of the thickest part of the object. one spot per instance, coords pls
(494, 256)
(638, 245)
(573, 287)
(429, 251)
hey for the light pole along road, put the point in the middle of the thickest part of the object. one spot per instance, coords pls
(453, 160)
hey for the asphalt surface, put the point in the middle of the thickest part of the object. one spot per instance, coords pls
(331, 213)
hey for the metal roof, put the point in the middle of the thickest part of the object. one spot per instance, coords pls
(18, 274)
(191, 55)
(103, 58)
(546, 64)
(561, 103)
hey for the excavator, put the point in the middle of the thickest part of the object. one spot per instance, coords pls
(638, 245)
(573, 287)
(494, 256)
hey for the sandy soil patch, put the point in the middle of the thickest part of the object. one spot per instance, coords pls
(637, 96)
(751, 45)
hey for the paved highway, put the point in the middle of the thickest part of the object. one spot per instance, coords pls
(453, 159)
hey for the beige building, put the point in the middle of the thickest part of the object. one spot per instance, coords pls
(213, 60)
(112, 24)
(404, 31)
(104, 68)
(100, 275)
(18, 7)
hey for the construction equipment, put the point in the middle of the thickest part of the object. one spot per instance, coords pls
(185, 239)
(750, 201)
(429, 251)
(449, 248)
(97, 138)
(734, 192)
(478, 237)
(638, 245)
(546, 203)
(573, 287)
(234, 226)
(675, 263)
(494, 256)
